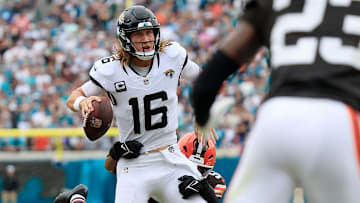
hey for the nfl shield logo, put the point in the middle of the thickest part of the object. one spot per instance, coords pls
(95, 122)
(146, 82)
(171, 149)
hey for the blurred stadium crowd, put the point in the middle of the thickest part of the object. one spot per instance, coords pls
(48, 46)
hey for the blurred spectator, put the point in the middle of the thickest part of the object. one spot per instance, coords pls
(47, 45)
(10, 186)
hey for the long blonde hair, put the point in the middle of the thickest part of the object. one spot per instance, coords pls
(124, 57)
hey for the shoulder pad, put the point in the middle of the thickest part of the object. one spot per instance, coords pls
(175, 50)
(105, 66)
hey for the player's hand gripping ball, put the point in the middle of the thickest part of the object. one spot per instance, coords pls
(98, 122)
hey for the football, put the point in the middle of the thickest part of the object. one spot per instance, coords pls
(98, 122)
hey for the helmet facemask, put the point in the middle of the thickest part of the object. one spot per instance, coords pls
(134, 19)
(203, 155)
(143, 55)
(198, 156)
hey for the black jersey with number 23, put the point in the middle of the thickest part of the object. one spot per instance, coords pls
(314, 46)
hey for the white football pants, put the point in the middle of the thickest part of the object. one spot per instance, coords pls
(307, 142)
(155, 175)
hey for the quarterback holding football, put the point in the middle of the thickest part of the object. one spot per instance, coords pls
(141, 81)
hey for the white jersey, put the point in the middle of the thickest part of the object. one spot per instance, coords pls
(145, 107)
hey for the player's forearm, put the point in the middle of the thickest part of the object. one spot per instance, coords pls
(110, 164)
(241, 45)
(207, 85)
(237, 49)
(72, 98)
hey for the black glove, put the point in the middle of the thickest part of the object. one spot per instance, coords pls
(128, 150)
(65, 197)
(188, 186)
(207, 192)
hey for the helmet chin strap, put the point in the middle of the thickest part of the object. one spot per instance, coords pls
(197, 157)
(144, 55)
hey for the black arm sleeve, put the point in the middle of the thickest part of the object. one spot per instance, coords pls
(258, 14)
(207, 85)
(207, 192)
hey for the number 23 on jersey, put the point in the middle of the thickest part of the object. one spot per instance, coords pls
(330, 48)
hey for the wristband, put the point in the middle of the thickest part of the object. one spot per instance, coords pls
(77, 102)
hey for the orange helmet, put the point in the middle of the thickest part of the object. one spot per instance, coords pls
(204, 156)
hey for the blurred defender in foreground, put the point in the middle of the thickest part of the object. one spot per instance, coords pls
(141, 80)
(307, 130)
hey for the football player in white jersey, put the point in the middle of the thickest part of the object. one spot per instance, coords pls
(141, 80)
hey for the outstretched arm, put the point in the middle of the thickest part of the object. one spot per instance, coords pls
(238, 48)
